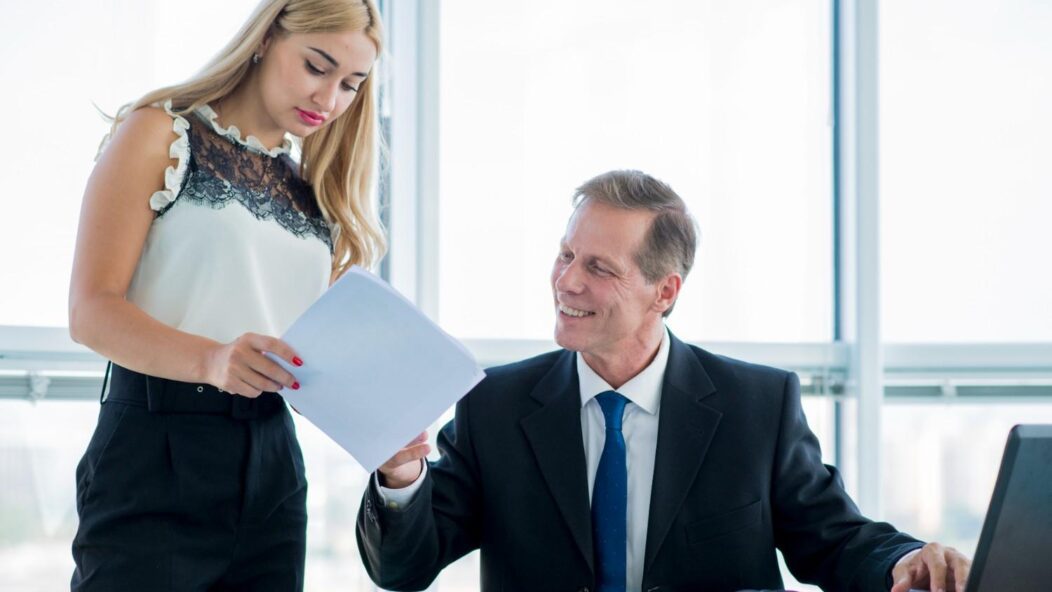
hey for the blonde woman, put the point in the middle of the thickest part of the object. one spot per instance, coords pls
(201, 240)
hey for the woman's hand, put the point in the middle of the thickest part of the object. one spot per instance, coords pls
(239, 367)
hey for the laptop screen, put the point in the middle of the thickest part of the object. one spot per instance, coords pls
(1014, 553)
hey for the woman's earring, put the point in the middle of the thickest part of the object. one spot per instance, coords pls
(256, 58)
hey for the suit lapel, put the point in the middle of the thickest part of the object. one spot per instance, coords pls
(554, 433)
(685, 429)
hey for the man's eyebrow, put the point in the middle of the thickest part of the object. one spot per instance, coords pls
(333, 61)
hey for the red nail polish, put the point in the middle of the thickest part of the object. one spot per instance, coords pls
(297, 361)
(295, 386)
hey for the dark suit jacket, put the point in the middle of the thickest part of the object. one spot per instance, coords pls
(737, 474)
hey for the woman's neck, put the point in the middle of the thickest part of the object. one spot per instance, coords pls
(242, 108)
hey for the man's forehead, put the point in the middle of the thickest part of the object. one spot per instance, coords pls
(598, 239)
(597, 219)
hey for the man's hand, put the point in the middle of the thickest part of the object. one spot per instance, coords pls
(932, 567)
(404, 467)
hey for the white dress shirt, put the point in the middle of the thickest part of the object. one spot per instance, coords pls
(639, 425)
(640, 428)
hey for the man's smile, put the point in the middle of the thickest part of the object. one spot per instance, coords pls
(573, 312)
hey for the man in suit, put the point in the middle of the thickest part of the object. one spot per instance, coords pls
(630, 460)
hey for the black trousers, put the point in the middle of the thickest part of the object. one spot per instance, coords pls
(187, 488)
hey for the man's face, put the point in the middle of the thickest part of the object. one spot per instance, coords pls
(603, 304)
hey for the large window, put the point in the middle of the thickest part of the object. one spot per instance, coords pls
(58, 70)
(941, 460)
(728, 102)
(964, 126)
(964, 190)
(731, 103)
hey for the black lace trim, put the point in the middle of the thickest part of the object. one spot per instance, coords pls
(221, 171)
(217, 193)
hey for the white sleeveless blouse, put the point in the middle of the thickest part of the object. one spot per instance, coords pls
(238, 244)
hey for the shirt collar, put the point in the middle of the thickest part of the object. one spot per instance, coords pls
(644, 389)
(232, 132)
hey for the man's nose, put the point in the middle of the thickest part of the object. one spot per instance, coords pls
(569, 279)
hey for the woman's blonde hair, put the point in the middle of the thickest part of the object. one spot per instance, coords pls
(339, 159)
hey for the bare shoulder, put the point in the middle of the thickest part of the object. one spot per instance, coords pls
(143, 137)
(132, 166)
(116, 214)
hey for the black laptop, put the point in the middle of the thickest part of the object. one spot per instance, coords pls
(1015, 548)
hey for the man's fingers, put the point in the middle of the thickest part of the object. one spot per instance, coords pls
(422, 437)
(934, 567)
(417, 451)
(407, 455)
(904, 583)
(935, 560)
(903, 571)
(961, 568)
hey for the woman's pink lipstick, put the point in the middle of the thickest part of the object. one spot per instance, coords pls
(310, 117)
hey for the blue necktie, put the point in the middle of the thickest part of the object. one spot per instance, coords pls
(610, 500)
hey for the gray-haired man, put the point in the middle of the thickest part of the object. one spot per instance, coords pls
(630, 460)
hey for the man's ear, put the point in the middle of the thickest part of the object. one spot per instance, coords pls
(668, 290)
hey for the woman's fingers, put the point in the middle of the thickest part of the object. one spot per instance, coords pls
(277, 347)
(258, 384)
(273, 372)
(242, 366)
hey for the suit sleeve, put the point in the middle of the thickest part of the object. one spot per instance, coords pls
(822, 534)
(406, 548)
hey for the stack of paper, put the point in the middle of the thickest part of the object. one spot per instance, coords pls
(376, 371)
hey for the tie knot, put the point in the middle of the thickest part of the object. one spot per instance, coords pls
(613, 405)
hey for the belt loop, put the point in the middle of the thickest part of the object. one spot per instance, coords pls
(155, 394)
(105, 393)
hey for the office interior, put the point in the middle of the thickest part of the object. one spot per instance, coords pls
(869, 177)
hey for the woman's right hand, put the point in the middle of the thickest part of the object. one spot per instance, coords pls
(239, 367)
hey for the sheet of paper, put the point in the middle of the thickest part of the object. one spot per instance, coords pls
(376, 370)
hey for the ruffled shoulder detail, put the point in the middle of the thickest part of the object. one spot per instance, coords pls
(252, 142)
(179, 150)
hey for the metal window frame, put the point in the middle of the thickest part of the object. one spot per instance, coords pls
(857, 228)
(947, 372)
(414, 217)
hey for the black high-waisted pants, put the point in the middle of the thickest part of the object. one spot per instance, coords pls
(186, 488)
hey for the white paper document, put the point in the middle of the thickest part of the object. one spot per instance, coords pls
(376, 371)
